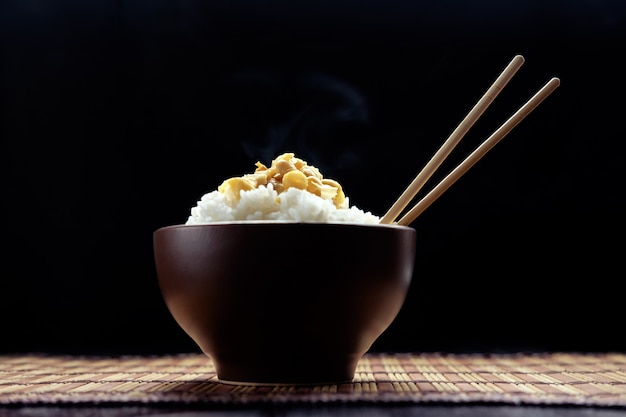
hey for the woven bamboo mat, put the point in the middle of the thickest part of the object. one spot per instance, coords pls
(554, 378)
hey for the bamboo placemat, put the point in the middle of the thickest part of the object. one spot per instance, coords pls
(551, 378)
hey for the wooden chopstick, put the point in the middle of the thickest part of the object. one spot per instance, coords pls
(489, 143)
(453, 140)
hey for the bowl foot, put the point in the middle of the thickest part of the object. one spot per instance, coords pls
(285, 370)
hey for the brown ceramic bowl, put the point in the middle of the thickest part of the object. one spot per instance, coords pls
(283, 302)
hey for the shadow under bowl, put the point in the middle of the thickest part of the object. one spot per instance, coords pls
(284, 302)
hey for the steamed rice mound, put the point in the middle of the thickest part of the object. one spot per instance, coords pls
(289, 190)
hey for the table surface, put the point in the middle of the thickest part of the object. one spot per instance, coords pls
(428, 385)
(432, 410)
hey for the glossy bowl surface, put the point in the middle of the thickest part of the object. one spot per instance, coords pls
(282, 302)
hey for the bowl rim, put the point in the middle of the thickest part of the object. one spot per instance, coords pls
(286, 223)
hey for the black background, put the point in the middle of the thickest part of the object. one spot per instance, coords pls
(118, 115)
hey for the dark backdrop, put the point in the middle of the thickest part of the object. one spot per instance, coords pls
(117, 115)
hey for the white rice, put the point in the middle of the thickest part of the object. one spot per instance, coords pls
(264, 203)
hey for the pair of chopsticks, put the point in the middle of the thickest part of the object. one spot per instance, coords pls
(454, 139)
